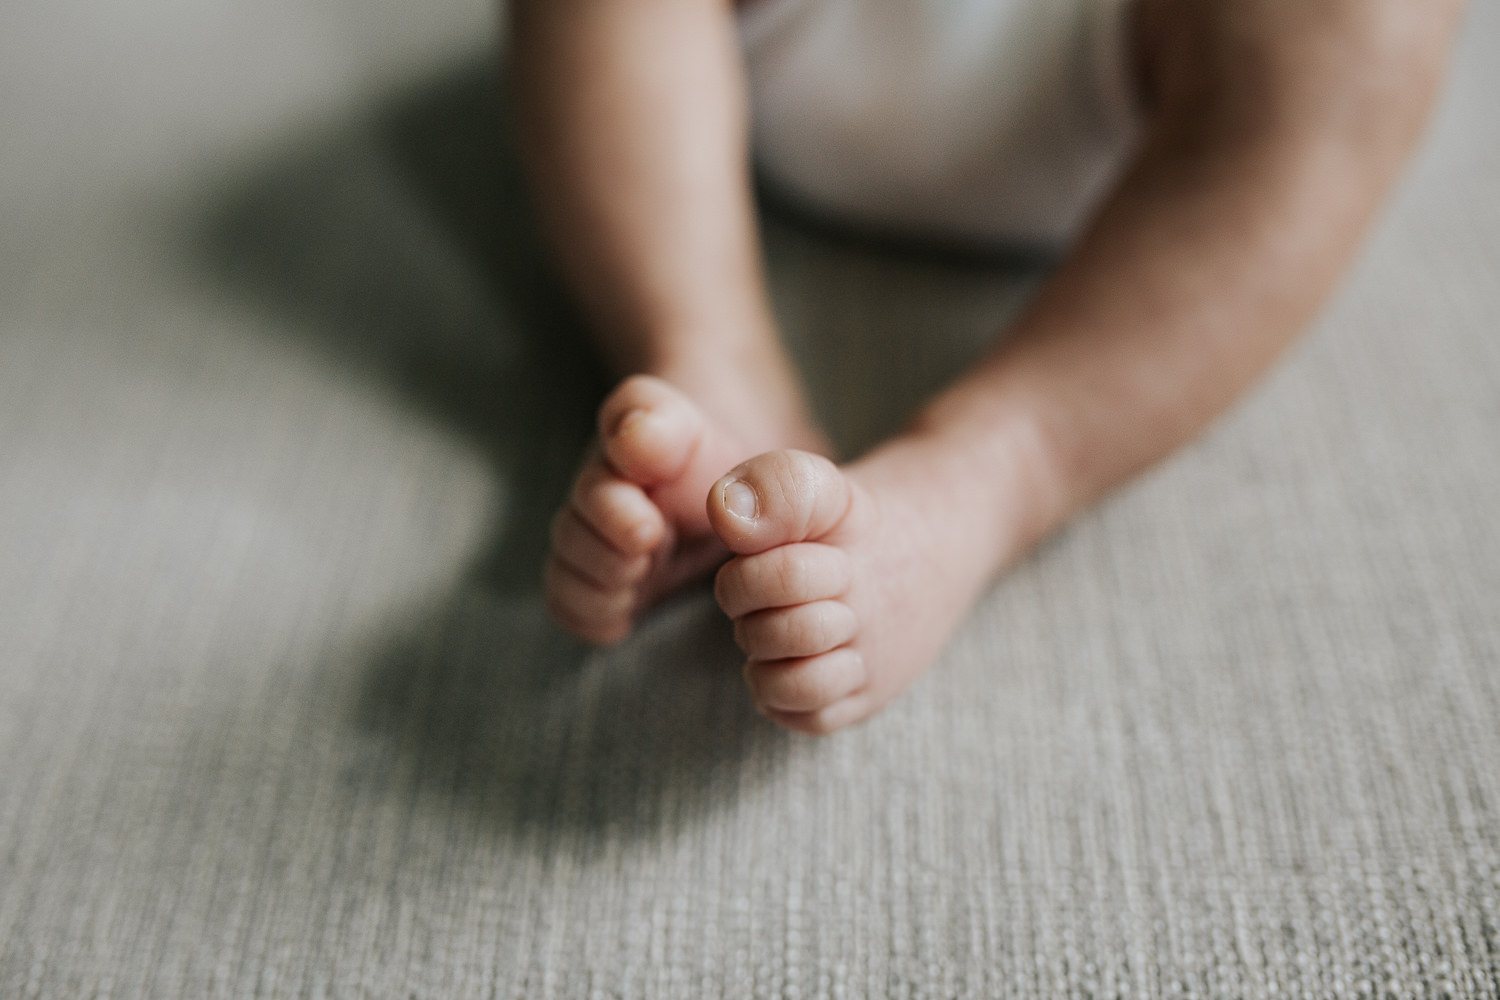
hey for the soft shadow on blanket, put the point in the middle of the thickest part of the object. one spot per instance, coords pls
(402, 248)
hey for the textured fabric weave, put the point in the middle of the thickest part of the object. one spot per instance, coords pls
(286, 399)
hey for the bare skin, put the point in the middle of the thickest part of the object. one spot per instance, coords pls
(639, 164)
(1275, 129)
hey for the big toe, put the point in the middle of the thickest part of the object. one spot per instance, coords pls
(778, 498)
(649, 430)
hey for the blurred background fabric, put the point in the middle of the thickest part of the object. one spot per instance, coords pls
(286, 397)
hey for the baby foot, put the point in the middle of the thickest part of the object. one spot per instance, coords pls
(635, 528)
(846, 585)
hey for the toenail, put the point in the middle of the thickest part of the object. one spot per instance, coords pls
(740, 499)
(630, 419)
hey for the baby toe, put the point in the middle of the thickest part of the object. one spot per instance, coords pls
(584, 550)
(781, 577)
(822, 721)
(806, 685)
(637, 392)
(776, 499)
(618, 511)
(804, 630)
(649, 430)
(594, 614)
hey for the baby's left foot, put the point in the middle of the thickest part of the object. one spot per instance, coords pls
(847, 582)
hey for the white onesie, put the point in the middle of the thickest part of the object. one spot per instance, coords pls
(983, 121)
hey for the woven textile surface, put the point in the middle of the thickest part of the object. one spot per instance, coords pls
(286, 398)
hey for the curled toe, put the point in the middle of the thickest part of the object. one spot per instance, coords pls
(649, 431)
(595, 614)
(586, 552)
(823, 721)
(806, 685)
(804, 630)
(781, 577)
(620, 513)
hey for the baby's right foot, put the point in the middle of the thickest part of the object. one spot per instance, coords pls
(847, 582)
(635, 527)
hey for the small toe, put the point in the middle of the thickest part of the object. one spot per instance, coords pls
(804, 630)
(637, 392)
(806, 685)
(781, 577)
(618, 511)
(649, 430)
(592, 613)
(778, 498)
(584, 550)
(823, 721)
